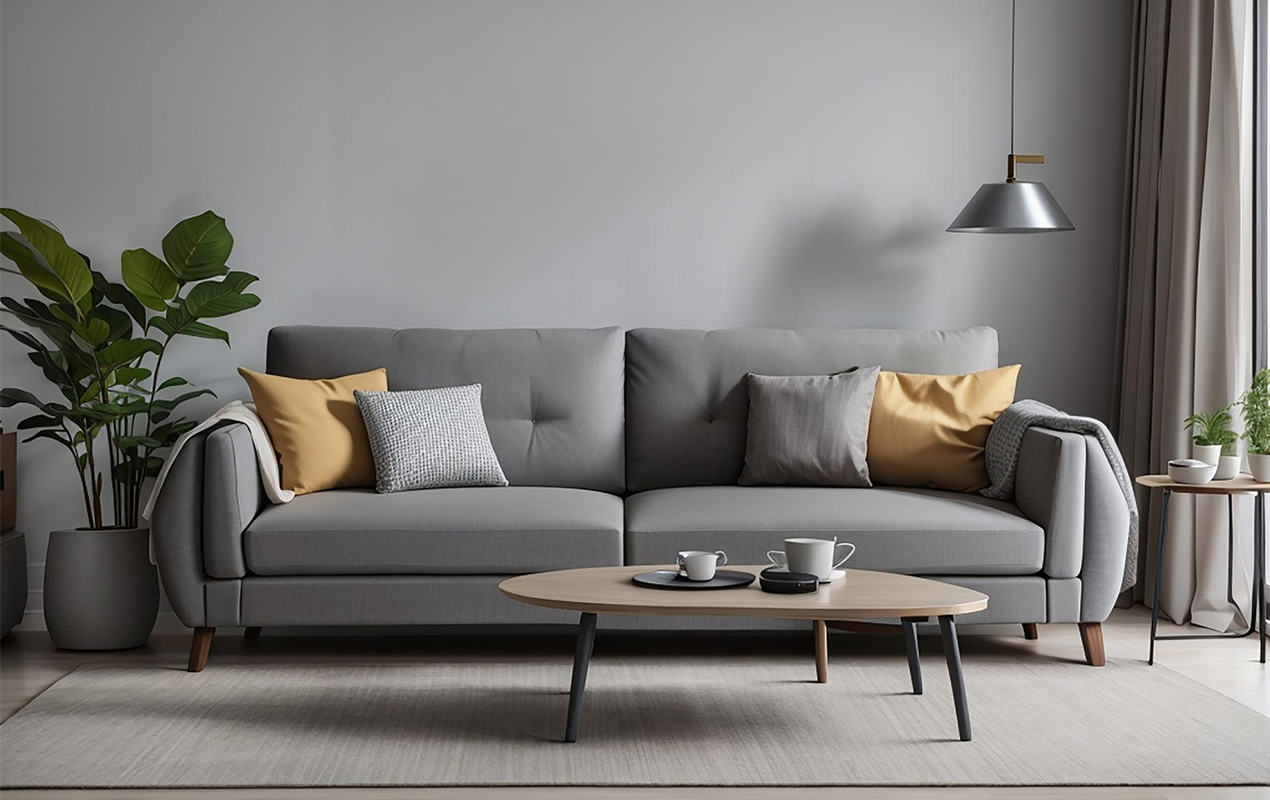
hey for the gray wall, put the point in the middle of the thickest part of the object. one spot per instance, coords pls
(478, 163)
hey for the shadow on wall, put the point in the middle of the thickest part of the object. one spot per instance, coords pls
(841, 267)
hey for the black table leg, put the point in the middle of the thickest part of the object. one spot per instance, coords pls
(581, 660)
(1257, 611)
(1259, 571)
(948, 629)
(1159, 568)
(914, 656)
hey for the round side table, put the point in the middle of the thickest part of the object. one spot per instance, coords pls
(1244, 484)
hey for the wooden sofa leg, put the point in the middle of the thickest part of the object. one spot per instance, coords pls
(1029, 631)
(251, 634)
(1091, 638)
(200, 647)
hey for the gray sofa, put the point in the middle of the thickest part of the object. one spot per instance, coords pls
(622, 447)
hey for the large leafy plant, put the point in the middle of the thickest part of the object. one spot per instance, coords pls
(1255, 407)
(101, 345)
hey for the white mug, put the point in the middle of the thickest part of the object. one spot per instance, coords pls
(699, 565)
(814, 556)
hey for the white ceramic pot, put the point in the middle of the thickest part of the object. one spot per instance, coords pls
(1259, 465)
(1227, 468)
(1208, 453)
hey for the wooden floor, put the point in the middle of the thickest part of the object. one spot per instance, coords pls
(29, 664)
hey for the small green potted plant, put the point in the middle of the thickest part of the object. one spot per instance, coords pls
(1214, 440)
(101, 345)
(1255, 408)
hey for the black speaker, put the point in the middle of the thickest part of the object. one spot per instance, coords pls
(781, 581)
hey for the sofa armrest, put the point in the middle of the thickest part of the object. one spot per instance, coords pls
(232, 497)
(210, 495)
(176, 530)
(1049, 488)
(1066, 485)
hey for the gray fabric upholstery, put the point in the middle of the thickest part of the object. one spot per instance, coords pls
(307, 600)
(1062, 599)
(1065, 484)
(686, 401)
(1050, 490)
(552, 398)
(388, 600)
(177, 529)
(485, 530)
(571, 383)
(809, 430)
(1013, 598)
(223, 601)
(232, 496)
(915, 531)
(1106, 536)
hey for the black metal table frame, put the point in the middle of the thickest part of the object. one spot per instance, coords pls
(1258, 609)
(947, 630)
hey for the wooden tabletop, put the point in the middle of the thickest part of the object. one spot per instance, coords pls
(862, 594)
(1242, 484)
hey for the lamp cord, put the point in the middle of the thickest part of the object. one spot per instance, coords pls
(1013, 12)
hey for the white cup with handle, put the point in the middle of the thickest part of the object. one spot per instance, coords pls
(814, 556)
(700, 565)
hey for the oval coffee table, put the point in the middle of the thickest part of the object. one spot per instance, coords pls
(861, 595)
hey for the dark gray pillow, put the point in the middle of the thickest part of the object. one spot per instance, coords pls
(429, 439)
(809, 430)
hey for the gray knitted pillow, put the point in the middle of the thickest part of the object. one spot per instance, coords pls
(429, 439)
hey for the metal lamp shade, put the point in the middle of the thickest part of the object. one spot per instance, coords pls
(1012, 207)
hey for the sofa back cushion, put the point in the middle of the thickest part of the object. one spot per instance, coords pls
(686, 399)
(552, 397)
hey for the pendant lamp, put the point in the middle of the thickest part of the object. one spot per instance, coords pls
(1013, 206)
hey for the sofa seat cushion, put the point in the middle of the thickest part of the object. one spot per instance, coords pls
(914, 531)
(476, 530)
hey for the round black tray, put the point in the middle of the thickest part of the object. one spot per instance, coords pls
(670, 579)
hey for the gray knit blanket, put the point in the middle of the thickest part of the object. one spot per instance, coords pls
(1006, 437)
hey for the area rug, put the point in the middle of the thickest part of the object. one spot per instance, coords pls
(648, 720)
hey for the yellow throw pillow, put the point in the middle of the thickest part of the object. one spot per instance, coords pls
(930, 430)
(317, 428)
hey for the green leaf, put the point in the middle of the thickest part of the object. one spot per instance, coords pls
(47, 434)
(96, 331)
(148, 278)
(170, 382)
(119, 322)
(125, 351)
(72, 276)
(183, 427)
(39, 421)
(120, 296)
(13, 397)
(217, 299)
(25, 338)
(169, 405)
(31, 265)
(163, 325)
(130, 376)
(204, 331)
(198, 247)
(239, 280)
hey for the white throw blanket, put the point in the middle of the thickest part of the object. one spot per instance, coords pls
(237, 411)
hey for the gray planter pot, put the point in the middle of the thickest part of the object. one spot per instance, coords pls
(100, 590)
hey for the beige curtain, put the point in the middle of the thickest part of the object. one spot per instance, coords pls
(1187, 312)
